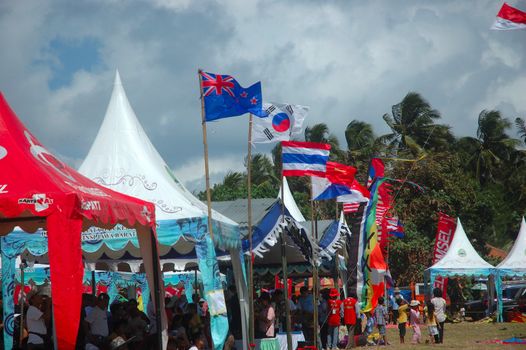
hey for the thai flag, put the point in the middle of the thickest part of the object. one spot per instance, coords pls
(304, 158)
(509, 18)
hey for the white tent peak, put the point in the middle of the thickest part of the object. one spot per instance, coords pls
(123, 159)
(516, 258)
(290, 203)
(461, 254)
(117, 80)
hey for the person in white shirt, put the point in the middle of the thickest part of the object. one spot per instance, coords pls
(37, 315)
(440, 312)
(97, 321)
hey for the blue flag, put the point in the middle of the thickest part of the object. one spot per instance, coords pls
(224, 97)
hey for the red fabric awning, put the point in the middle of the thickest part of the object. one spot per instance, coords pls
(35, 183)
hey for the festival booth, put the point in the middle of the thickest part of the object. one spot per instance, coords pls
(461, 259)
(40, 191)
(514, 265)
(123, 158)
(112, 282)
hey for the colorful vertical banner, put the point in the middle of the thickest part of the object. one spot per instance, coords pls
(373, 263)
(445, 231)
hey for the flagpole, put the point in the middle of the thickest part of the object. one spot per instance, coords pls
(284, 263)
(251, 263)
(205, 145)
(314, 230)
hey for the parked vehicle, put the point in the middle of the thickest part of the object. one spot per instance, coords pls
(513, 296)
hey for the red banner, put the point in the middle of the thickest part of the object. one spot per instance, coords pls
(445, 231)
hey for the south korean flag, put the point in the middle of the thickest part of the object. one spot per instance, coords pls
(283, 122)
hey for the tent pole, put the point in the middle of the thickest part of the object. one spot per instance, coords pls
(93, 284)
(251, 263)
(157, 290)
(22, 301)
(205, 145)
(284, 268)
(314, 231)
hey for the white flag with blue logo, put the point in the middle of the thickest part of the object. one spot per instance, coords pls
(283, 122)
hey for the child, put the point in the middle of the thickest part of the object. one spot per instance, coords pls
(369, 325)
(382, 316)
(414, 318)
(432, 323)
(402, 318)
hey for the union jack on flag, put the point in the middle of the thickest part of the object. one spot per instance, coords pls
(223, 97)
(215, 83)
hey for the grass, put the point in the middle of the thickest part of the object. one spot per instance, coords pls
(463, 335)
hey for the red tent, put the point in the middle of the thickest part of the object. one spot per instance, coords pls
(37, 190)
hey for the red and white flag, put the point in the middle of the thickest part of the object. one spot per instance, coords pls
(509, 18)
(349, 208)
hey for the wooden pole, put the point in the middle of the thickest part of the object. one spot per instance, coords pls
(251, 263)
(205, 145)
(314, 232)
(284, 269)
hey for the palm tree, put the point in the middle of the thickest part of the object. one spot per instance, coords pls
(521, 125)
(263, 171)
(320, 133)
(491, 148)
(413, 127)
(361, 141)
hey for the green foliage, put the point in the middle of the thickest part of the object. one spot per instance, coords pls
(480, 179)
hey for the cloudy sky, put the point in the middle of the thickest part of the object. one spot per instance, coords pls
(345, 59)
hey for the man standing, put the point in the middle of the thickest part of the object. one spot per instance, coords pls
(349, 318)
(38, 314)
(394, 304)
(335, 310)
(97, 321)
(307, 308)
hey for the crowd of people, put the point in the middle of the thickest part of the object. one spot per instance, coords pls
(334, 312)
(122, 325)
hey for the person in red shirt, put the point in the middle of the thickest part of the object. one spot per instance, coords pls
(334, 320)
(349, 318)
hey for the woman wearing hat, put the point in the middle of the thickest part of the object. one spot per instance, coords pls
(414, 318)
(334, 321)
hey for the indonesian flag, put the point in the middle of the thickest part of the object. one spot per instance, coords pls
(509, 18)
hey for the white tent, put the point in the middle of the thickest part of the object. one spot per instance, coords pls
(461, 258)
(515, 262)
(290, 203)
(123, 158)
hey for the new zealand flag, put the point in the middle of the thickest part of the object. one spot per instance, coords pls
(224, 97)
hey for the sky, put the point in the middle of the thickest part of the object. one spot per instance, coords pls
(345, 59)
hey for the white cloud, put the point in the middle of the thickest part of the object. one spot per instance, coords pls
(345, 60)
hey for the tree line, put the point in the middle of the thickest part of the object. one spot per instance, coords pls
(480, 179)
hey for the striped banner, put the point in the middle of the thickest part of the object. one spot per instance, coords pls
(304, 158)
